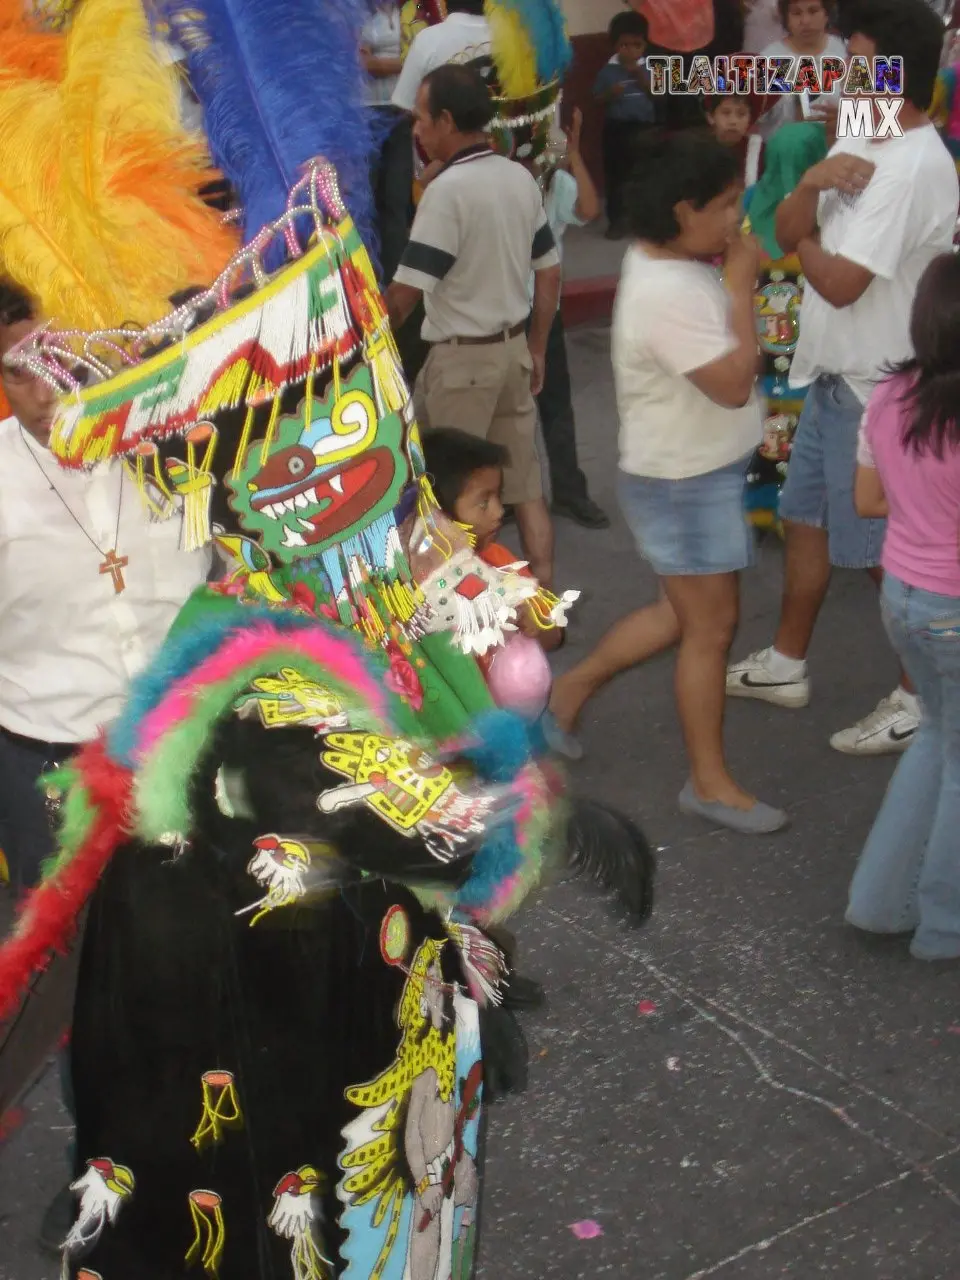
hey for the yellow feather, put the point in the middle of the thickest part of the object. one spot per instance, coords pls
(99, 216)
(35, 245)
(512, 50)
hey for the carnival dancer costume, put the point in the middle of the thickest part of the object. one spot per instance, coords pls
(293, 840)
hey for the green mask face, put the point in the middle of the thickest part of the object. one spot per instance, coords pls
(321, 481)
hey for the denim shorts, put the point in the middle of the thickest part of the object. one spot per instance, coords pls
(692, 526)
(818, 490)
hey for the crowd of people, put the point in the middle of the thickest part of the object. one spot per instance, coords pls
(733, 218)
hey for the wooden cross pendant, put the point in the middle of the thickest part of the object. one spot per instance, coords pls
(115, 565)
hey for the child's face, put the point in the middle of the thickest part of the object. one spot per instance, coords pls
(730, 121)
(807, 22)
(479, 504)
(630, 49)
(706, 232)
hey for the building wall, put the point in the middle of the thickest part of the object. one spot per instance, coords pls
(587, 22)
(587, 16)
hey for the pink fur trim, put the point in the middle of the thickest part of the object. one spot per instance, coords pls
(535, 791)
(345, 664)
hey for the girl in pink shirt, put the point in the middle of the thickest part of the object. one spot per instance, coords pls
(908, 877)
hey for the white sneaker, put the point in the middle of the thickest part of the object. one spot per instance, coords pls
(890, 728)
(753, 678)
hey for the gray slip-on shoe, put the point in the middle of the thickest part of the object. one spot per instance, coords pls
(559, 740)
(761, 820)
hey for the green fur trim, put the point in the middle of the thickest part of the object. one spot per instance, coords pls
(77, 816)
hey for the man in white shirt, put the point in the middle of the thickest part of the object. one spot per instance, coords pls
(88, 589)
(480, 230)
(463, 36)
(865, 223)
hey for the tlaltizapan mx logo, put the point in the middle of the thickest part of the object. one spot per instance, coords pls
(866, 92)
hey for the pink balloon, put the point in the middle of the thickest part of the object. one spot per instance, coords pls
(519, 676)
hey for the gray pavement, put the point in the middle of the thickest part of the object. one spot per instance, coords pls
(745, 1089)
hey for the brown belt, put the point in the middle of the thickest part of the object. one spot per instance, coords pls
(503, 336)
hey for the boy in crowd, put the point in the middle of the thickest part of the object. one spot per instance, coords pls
(570, 199)
(623, 88)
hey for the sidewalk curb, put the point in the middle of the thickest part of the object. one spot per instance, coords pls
(588, 301)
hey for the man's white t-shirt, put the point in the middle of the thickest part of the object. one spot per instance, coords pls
(903, 218)
(459, 38)
(670, 318)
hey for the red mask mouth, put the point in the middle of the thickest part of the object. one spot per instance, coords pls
(315, 509)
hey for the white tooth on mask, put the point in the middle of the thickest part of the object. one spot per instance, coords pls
(311, 496)
(291, 539)
(336, 483)
(301, 500)
(289, 505)
(268, 511)
(305, 524)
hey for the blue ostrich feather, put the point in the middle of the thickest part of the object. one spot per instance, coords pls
(497, 860)
(501, 744)
(547, 29)
(280, 83)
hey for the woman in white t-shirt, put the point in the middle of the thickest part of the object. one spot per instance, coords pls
(807, 25)
(685, 361)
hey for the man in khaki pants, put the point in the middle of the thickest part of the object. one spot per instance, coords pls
(479, 231)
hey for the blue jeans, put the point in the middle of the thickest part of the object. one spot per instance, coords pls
(818, 490)
(908, 877)
(692, 526)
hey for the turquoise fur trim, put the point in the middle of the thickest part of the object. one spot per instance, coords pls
(498, 860)
(504, 745)
(180, 654)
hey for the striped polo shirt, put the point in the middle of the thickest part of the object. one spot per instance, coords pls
(480, 229)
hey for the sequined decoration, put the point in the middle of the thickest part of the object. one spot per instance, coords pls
(221, 1109)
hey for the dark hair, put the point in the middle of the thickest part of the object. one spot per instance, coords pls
(453, 456)
(16, 304)
(466, 6)
(908, 28)
(783, 8)
(934, 390)
(668, 171)
(628, 24)
(712, 101)
(463, 92)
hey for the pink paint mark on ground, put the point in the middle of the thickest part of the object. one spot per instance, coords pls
(586, 1230)
(646, 1007)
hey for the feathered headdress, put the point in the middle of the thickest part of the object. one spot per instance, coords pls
(531, 53)
(282, 416)
(280, 83)
(99, 213)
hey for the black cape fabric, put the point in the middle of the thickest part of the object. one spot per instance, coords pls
(288, 1015)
